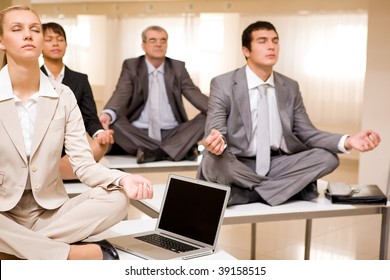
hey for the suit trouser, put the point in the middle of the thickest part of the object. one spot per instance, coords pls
(175, 142)
(30, 232)
(288, 174)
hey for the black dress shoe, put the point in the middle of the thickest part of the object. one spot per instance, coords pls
(308, 193)
(140, 156)
(192, 154)
(145, 155)
(108, 250)
(243, 196)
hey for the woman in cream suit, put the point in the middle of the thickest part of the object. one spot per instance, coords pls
(37, 117)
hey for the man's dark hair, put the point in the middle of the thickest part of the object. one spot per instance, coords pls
(55, 27)
(246, 38)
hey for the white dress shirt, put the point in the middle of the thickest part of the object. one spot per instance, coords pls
(277, 140)
(26, 109)
(168, 120)
(276, 134)
(60, 77)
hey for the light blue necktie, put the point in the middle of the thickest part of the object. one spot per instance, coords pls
(154, 108)
(263, 157)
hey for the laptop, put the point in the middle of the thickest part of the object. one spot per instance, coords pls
(189, 222)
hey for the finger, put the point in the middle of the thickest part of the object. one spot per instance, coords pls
(138, 192)
(222, 148)
(375, 138)
(146, 192)
(209, 140)
(110, 131)
(104, 139)
(213, 147)
(150, 188)
(206, 143)
(370, 141)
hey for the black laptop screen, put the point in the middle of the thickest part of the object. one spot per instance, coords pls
(192, 210)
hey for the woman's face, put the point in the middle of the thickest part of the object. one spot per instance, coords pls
(22, 37)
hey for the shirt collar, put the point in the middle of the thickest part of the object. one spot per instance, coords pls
(5, 85)
(151, 68)
(46, 88)
(254, 81)
(60, 76)
(6, 92)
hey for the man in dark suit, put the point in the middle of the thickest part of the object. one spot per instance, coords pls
(53, 53)
(133, 114)
(274, 160)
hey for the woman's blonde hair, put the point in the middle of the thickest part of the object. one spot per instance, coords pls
(2, 15)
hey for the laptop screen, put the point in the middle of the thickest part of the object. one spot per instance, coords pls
(192, 209)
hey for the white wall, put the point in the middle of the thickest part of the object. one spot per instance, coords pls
(374, 166)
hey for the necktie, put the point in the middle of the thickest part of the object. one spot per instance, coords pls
(263, 142)
(154, 109)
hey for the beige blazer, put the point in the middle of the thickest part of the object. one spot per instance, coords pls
(58, 122)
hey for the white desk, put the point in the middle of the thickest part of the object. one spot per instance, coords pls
(135, 226)
(257, 212)
(129, 164)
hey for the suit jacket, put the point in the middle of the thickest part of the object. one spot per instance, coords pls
(58, 123)
(131, 93)
(229, 112)
(79, 84)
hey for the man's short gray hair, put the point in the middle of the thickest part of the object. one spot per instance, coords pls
(155, 28)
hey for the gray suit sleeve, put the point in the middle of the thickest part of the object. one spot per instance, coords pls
(122, 95)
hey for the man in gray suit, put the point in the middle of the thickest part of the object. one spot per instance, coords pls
(296, 154)
(132, 112)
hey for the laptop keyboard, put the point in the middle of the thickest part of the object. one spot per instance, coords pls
(166, 243)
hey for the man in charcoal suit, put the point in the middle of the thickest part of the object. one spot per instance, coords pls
(143, 128)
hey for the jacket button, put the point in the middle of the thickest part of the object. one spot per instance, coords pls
(34, 169)
(36, 187)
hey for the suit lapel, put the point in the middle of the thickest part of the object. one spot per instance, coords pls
(69, 80)
(169, 79)
(10, 120)
(283, 100)
(143, 72)
(45, 112)
(240, 92)
(43, 69)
